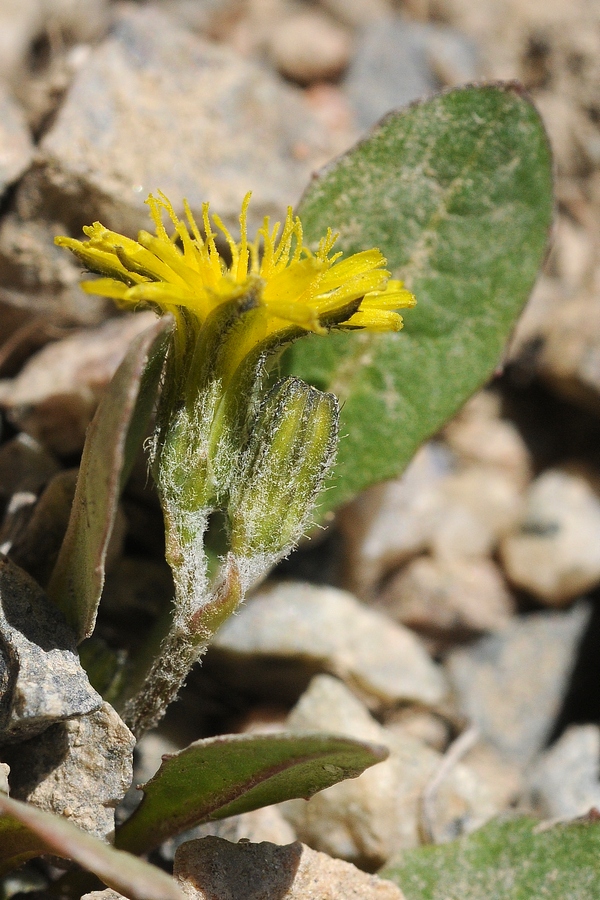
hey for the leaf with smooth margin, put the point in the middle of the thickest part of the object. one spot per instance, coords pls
(47, 833)
(112, 441)
(231, 774)
(456, 191)
(505, 860)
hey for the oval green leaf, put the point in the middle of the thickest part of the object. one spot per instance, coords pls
(231, 774)
(456, 191)
(511, 860)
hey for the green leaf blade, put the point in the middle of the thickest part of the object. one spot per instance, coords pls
(231, 774)
(457, 193)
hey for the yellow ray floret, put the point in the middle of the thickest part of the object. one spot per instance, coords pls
(287, 283)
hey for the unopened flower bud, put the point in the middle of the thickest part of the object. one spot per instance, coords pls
(290, 452)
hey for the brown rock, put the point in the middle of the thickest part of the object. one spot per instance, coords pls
(24, 466)
(212, 867)
(367, 819)
(448, 596)
(320, 628)
(309, 47)
(479, 437)
(392, 522)
(357, 12)
(555, 554)
(16, 146)
(55, 395)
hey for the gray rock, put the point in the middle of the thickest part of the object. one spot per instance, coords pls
(156, 108)
(392, 65)
(212, 867)
(325, 629)
(511, 684)
(565, 779)
(556, 552)
(55, 395)
(41, 679)
(16, 146)
(79, 769)
(366, 819)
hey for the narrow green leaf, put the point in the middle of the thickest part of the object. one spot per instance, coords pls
(112, 441)
(456, 191)
(43, 832)
(505, 861)
(231, 774)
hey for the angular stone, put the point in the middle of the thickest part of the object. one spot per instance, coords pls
(55, 395)
(212, 867)
(446, 597)
(511, 684)
(16, 145)
(391, 522)
(325, 629)
(43, 681)
(157, 108)
(479, 437)
(556, 552)
(79, 769)
(565, 778)
(366, 819)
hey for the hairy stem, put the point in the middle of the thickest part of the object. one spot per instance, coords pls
(183, 645)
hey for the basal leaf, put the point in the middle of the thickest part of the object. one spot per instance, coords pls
(508, 860)
(456, 191)
(112, 441)
(41, 832)
(223, 776)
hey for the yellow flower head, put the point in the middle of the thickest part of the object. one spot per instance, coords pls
(275, 275)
